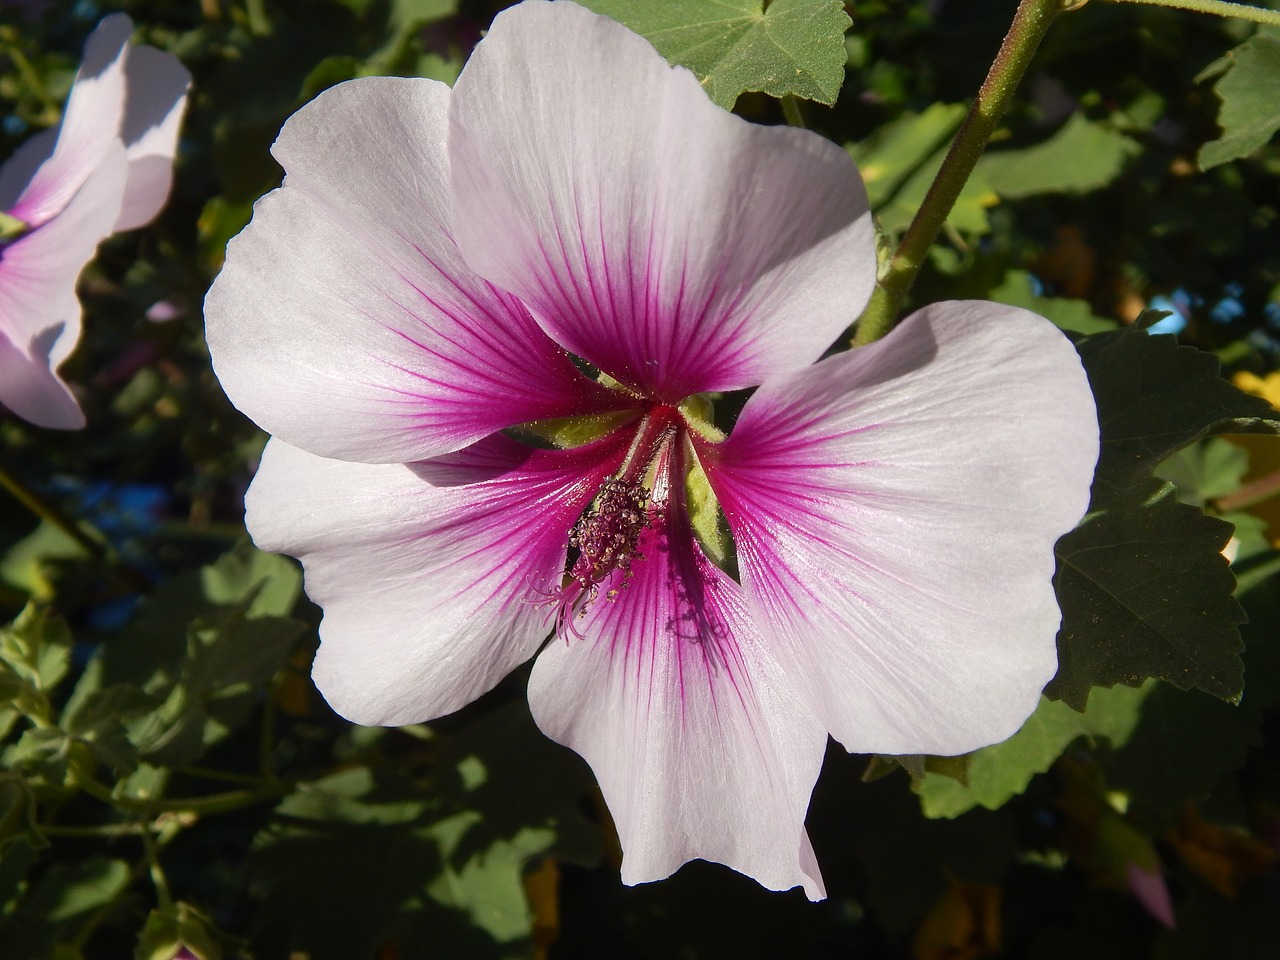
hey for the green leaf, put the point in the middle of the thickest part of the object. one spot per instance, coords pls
(1205, 471)
(228, 656)
(1065, 313)
(99, 722)
(1145, 592)
(1142, 584)
(179, 925)
(60, 903)
(998, 773)
(1256, 569)
(273, 582)
(784, 48)
(1080, 157)
(36, 647)
(1250, 95)
(26, 562)
(440, 857)
(1183, 743)
(200, 649)
(17, 816)
(1155, 397)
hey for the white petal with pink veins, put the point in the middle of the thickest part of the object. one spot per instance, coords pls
(700, 745)
(674, 245)
(895, 510)
(429, 574)
(345, 321)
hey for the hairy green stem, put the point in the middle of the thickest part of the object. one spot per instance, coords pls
(1219, 8)
(1030, 23)
(791, 111)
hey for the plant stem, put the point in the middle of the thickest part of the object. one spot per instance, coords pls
(37, 504)
(1030, 23)
(791, 111)
(1240, 11)
(93, 542)
(158, 880)
(195, 806)
(1251, 494)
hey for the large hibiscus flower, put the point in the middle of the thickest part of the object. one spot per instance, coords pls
(576, 231)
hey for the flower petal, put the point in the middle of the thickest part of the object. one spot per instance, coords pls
(701, 747)
(345, 321)
(155, 99)
(90, 124)
(674, 245)
(39, 310)
(428, 574)
(895, 510)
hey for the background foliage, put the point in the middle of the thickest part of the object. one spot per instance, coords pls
(171, 782)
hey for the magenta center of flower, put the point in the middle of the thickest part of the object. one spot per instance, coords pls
(606, 538)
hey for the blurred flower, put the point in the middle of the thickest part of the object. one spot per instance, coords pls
(106, 167)
(1147, 884)
(894, 508)
(963, 924)
(1224, 858)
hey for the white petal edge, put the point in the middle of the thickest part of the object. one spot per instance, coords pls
(40, 314)
(155, 100)
(90, 125)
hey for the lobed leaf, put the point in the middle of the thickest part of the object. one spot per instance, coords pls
(1155, 397)
(1250, 111)
(1080, 157)
(998, 773)
(783, 48)
(1142, 583)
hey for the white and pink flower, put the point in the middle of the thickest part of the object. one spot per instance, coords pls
(106, 167)
(575, 230)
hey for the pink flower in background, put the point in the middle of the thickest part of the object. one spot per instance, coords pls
(106, 167)
(422, 283)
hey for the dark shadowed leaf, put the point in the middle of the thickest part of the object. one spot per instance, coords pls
(62, 901)
(1142, 584)
(1155, 397)
(1146, 592)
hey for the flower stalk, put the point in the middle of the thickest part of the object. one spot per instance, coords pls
(1030, 24)
(1219, 8)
